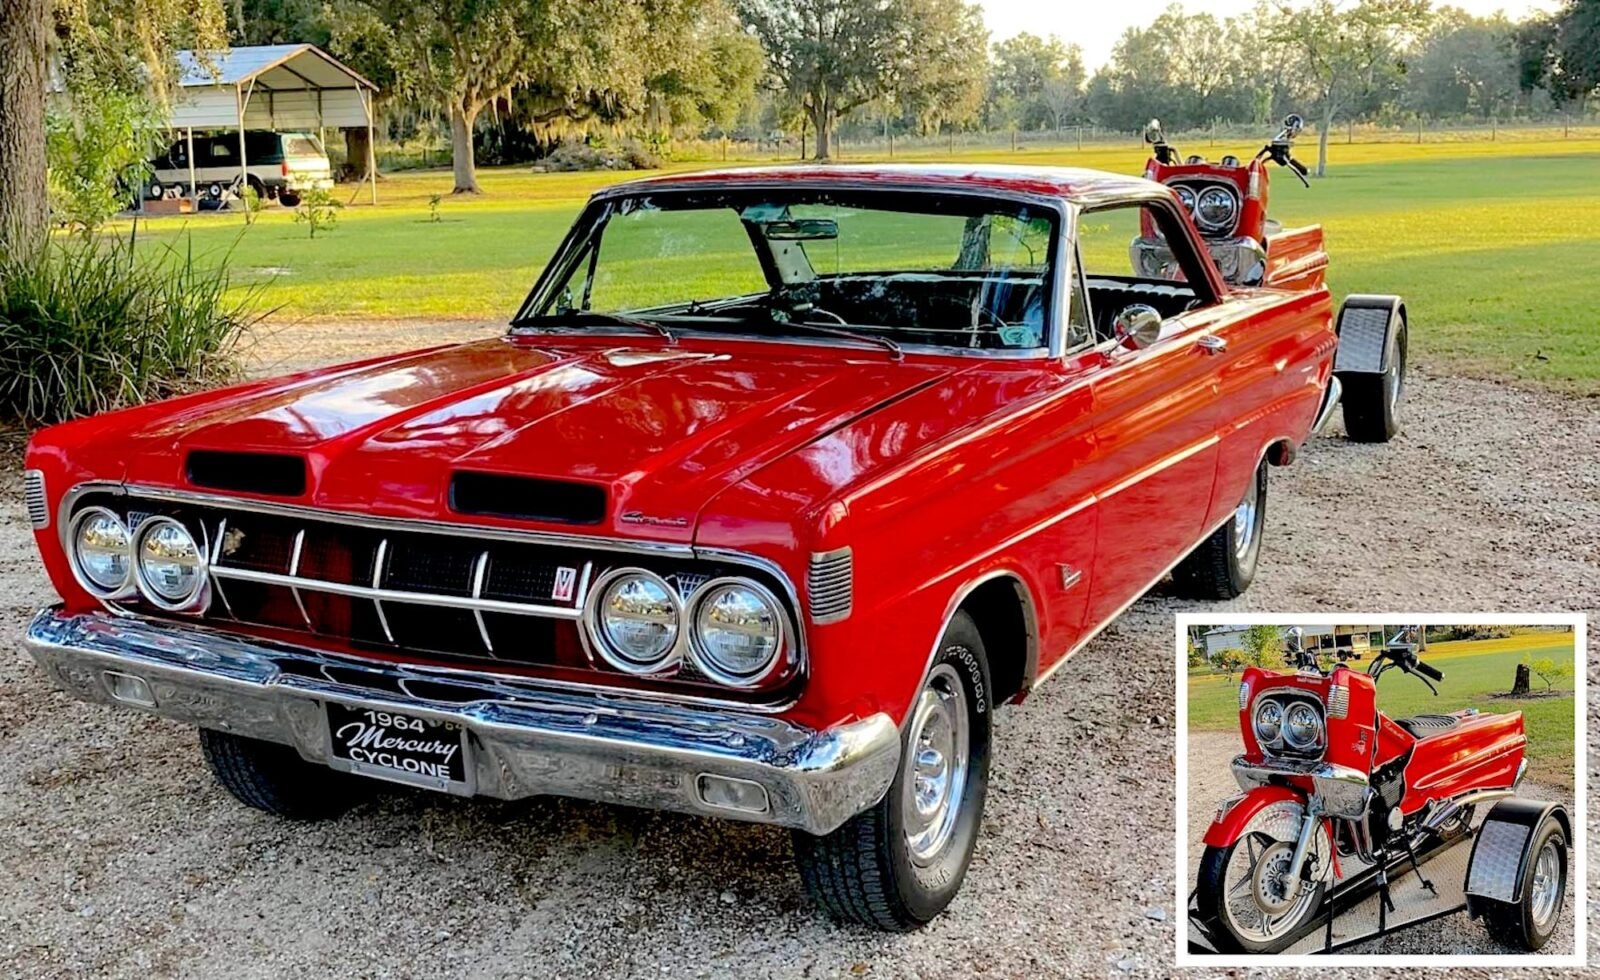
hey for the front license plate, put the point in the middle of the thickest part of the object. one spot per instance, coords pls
(403, 748)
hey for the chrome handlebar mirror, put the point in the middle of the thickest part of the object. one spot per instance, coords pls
(1153, 133)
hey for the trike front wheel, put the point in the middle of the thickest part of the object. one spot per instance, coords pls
(1244, 896)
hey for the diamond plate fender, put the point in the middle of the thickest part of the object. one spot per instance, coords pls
(1366, 325)
(1500, 853)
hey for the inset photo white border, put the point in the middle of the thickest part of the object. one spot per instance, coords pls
(1577, 885)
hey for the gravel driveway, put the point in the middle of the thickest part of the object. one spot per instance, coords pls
(1211, 780)
(121, 858)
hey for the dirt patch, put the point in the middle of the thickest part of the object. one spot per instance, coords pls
(123, 859)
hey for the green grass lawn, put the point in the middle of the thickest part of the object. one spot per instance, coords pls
(1473, 672)
(1495, 246)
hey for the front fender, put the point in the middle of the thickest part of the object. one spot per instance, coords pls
(1235, 813)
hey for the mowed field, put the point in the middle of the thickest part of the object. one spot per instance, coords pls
(1475, 672)
(1495, 246)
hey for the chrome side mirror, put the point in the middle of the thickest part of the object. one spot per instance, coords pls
(1137, 326)
(1153, 133)
(1293, 123)
(1297, 639)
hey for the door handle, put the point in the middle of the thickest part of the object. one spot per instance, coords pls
(1212, 344)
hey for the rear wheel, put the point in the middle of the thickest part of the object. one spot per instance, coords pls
(1372, 401)
(1224, 564)
(273, 778)
(1528, 924)
(897, 865)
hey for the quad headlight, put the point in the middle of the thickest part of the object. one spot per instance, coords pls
(1216, 209)
(1302, 726)
(733, 631)
(100, 552)
(738, 632)
(636, 621)
(169, 564)
(1268, 720)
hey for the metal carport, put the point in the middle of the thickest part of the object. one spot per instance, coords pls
(270, 86)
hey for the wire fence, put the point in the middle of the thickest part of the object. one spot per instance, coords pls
(425, 153)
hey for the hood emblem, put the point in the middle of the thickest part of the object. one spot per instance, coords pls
(638, 517)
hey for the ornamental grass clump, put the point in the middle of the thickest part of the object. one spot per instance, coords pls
(91, 325)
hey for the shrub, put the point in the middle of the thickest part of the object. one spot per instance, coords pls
(318, 210)
(572, 156)
(97, 152)
(87, 326)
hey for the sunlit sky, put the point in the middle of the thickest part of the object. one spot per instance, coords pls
(1095, 25)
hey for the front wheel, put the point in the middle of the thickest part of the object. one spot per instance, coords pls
(1244, 895)
(897, 865)
(1224, 564)
(273, 778)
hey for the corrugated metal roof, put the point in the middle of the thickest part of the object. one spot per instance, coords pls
(305, 64)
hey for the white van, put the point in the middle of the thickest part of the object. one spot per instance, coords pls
(280, 166)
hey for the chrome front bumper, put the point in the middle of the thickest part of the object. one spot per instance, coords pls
(1340, 790)
(526, 741)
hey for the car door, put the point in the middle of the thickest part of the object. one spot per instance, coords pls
(1156, 410)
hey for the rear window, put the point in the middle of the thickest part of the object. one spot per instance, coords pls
(301, 146)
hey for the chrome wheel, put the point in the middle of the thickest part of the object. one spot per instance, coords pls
(1545, 893)
(937, 751)
(1394, 382)
(1246, 520)
(1257, 900)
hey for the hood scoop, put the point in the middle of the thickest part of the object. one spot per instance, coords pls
(268, 474)
(524, 498)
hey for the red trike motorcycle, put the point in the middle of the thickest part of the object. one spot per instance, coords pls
(1227, 200)
(1352, 824)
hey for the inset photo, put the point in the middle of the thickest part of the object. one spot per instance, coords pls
(1389, 786)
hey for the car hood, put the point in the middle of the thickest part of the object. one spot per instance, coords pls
(662, 429)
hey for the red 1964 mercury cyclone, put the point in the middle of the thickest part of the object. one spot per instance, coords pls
(779, 483)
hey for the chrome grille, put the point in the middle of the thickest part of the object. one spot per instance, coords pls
(33, 498)
(428, 591)
(830, 585)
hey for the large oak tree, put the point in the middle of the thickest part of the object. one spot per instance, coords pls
(832, 56)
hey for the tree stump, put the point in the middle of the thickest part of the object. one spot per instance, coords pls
(1520, 686)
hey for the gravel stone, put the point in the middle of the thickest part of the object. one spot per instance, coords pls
(1489, 502)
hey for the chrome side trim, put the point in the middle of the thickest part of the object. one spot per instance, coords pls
(1088, 637)
(527, 739)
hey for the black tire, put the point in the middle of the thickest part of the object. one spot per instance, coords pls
(865, 872)
(1514, 923)
(154, 191)
(1371, 402)
(273, 778)
(1209, 889)
(288, 198)
(261, 189)
(1220, 568)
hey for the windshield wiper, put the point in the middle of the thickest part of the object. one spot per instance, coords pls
(866, 338)
(579, 318)
(712, 312)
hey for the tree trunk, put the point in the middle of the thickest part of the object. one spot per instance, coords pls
(24, 195)
(1519, 687)
(461, 158)
(824, 137)
(355, 151)
(1322, 138)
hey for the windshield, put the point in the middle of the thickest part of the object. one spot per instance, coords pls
(911, 268)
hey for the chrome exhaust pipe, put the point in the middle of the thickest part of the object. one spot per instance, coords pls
(1441, 816)
(1330, 401)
